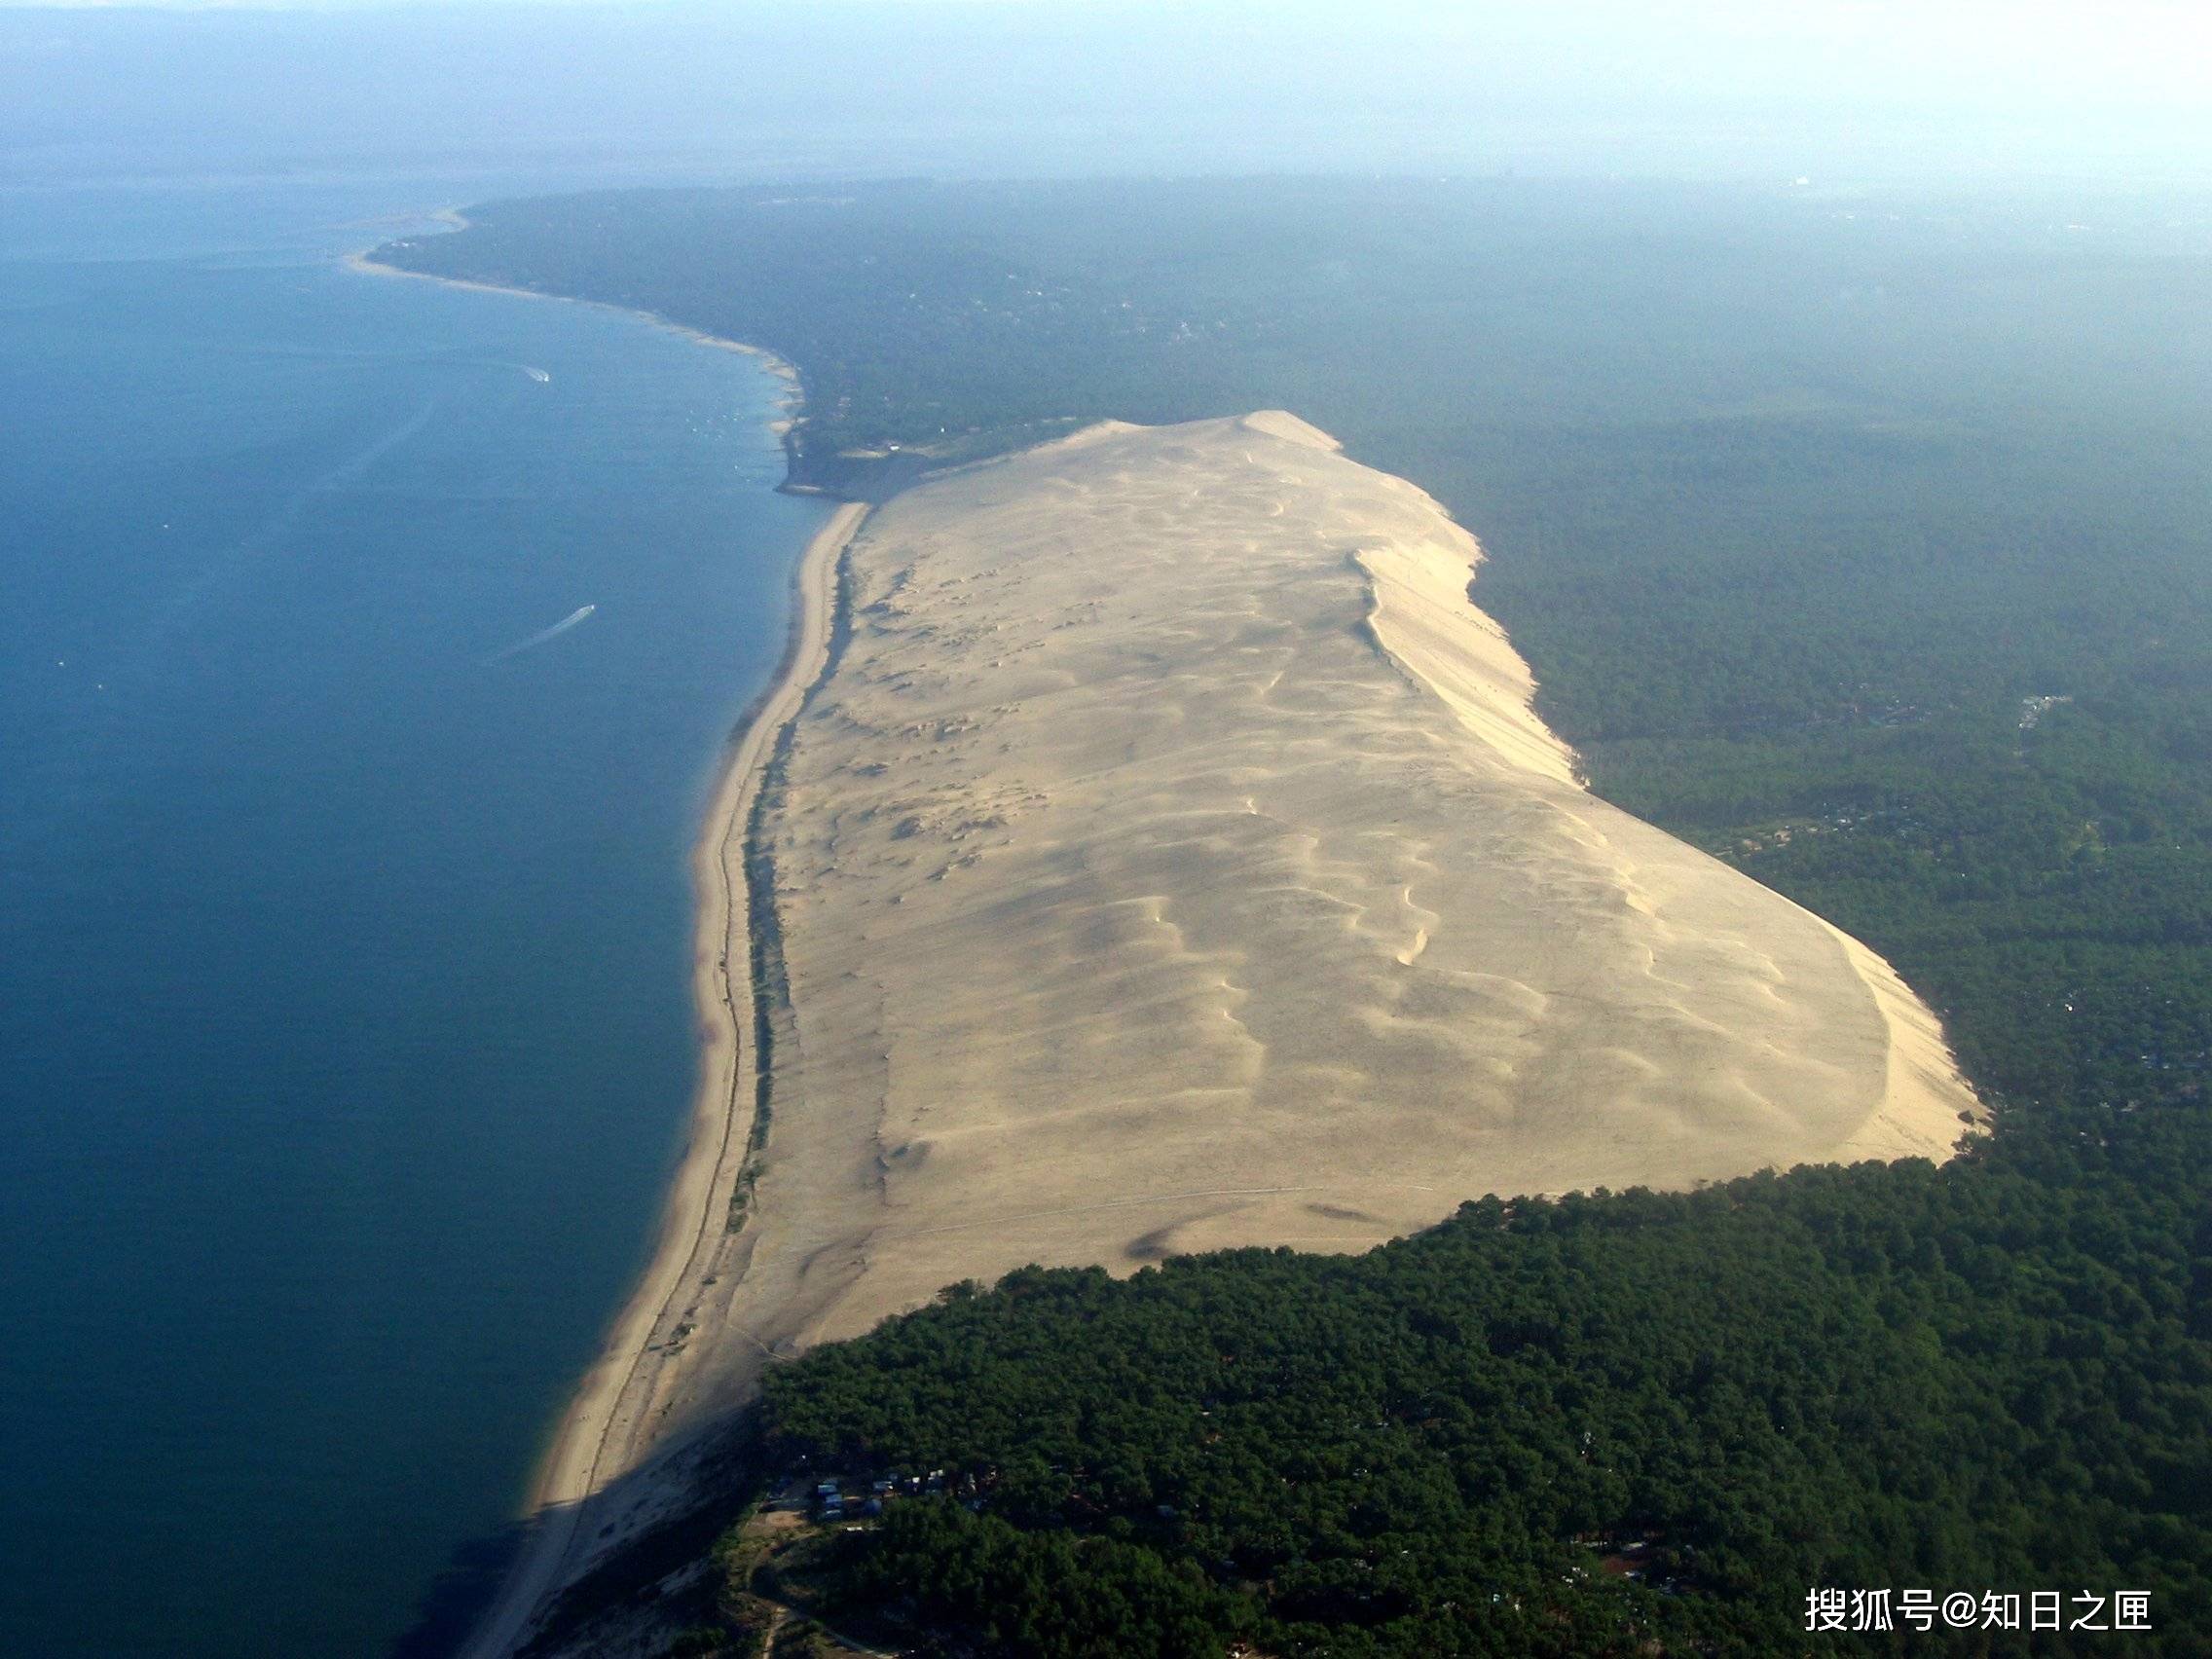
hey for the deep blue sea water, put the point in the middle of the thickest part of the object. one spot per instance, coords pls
(346, 1039)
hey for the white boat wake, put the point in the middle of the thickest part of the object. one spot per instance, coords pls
(573, 618)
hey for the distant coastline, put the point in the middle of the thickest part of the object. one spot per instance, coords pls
(792, 395)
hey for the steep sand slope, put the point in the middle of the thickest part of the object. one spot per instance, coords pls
(1173, 861)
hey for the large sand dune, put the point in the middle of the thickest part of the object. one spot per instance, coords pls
(1173, 860)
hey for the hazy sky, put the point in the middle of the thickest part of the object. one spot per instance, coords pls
(1755, 88)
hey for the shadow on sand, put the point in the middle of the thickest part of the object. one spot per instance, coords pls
(626, 1591)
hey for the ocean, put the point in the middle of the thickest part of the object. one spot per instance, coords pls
(345, 1035)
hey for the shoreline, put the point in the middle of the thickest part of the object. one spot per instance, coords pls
(609, 1424)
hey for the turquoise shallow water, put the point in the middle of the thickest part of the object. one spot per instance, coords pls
(345, 1024)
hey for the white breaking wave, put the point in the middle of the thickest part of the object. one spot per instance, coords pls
(579, 614)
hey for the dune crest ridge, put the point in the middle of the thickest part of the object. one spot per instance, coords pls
(1173, 859)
